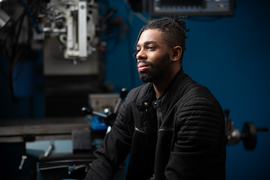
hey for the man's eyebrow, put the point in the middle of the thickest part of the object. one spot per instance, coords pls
(147, 43)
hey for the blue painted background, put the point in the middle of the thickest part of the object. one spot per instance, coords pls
(229, 55)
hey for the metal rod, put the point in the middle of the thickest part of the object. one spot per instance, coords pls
(262, 129)
(99, 114)
(117, 105)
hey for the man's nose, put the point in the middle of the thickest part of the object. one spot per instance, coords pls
(141, 55)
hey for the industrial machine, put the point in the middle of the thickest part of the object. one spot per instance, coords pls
(67, 35)
(51, 144)
(110, 113)
(248, 135)
(75, 23)
(63, 147)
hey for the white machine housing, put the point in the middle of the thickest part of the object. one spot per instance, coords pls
(74, 22)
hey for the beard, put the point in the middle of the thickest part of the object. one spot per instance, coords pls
(156, 71)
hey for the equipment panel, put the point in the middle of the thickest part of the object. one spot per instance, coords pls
(191, 7)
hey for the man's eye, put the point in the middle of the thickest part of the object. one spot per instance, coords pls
(138, 50)
(150, 47)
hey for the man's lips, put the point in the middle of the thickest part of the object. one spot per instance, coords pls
(143, 67)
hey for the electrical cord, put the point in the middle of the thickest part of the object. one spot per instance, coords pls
(10, 34)
(31, 14)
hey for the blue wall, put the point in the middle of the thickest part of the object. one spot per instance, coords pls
(229, 56)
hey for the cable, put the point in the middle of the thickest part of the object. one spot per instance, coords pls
(31, 14)
(10, 34)
(15, 57)
(15, 61)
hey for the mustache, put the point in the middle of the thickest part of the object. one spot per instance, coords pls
(144, 63)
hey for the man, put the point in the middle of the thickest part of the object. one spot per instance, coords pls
(172, 127)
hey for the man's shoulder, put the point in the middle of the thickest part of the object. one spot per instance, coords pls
(194, 90)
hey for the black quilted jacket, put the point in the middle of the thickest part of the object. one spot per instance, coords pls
(187, 143)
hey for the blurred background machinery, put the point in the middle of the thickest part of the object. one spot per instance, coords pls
(76, 24)
(62, 148)
(248, 135)
(56, 46)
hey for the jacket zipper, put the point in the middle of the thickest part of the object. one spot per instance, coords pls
(166, 129)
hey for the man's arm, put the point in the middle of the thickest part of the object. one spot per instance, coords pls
(198, 143)
(114, 149)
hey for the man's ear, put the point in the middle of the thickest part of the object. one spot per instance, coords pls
(176, 53)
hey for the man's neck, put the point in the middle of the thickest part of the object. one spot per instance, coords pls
(161, 85)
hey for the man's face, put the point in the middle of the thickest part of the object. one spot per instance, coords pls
(153, 56)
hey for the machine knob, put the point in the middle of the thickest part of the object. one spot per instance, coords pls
(123, 93)
(87, 111)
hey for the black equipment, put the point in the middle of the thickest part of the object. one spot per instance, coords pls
(248, 135)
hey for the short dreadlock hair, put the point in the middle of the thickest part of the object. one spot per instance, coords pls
(173, 32)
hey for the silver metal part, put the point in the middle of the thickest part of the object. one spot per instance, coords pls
(234, 137)
(117, 105)
(4, 18)
(49, 149)
(22, 162)
(74, 22)
(99, 114)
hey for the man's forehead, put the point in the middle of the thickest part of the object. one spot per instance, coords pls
(150, 36)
